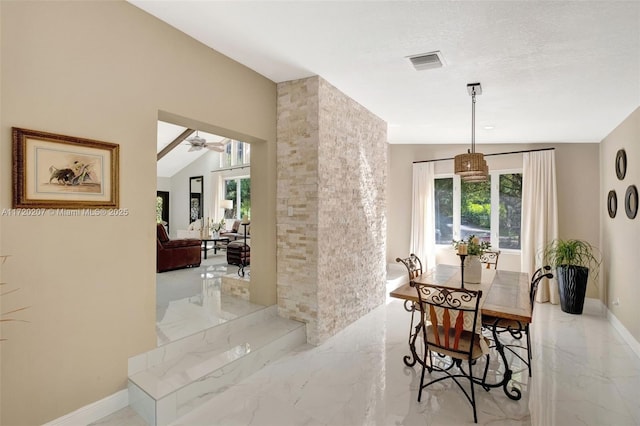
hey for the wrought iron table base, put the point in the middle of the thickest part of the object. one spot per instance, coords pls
(410, 360)
(462, 257)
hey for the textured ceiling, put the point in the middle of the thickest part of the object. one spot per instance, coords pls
(554, 71)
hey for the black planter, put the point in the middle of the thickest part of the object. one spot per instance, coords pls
(572, 285)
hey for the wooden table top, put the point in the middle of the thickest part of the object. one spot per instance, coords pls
(505, 294)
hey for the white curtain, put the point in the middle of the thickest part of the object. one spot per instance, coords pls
(217, 183)
(423, 240)
(539, 216)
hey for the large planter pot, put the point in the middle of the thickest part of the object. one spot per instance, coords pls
(572, 285)
(472, 270)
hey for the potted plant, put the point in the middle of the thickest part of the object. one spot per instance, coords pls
(572, 259)
(216, 227)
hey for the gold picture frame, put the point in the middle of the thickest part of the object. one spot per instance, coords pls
(57, 171)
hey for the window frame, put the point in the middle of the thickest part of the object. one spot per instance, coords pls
(233, 155)
(495, 210)
(237, 202)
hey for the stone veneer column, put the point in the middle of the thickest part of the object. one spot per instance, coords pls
(331, 226)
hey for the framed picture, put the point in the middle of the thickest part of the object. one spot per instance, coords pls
(56, 171)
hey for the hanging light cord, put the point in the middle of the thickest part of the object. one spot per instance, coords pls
(473, 120)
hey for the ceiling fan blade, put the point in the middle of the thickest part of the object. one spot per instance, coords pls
(215, 148)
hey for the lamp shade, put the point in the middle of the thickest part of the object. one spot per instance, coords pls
(479, 176)
(226, 204)
(469, 164)
(472, 167)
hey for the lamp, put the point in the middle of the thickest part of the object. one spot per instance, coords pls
(226, 204)
(472, 167)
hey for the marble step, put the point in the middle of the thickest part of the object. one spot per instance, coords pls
(171, 380)
(396, 275)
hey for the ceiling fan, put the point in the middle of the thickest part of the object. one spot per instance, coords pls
(197, 143)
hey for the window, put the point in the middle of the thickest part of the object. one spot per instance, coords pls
(490, 210)
(235, 154)
(240, 198)
(475, 210)
(510, 214)
(444, 210)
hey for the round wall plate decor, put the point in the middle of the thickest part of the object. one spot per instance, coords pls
(621, 164)
(612, 203)
(631, 201)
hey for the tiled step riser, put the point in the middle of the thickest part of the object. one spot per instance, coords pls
(215, 383)
(219, 333)
(170, 407)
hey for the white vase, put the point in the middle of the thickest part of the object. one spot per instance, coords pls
(472, 270)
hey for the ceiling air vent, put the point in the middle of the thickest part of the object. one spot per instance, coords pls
(427, 61)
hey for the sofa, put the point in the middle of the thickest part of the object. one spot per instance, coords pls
(237, 231)
(176, 254)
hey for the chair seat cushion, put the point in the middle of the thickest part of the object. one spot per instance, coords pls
(480, 345)
(490, 321)
(238, 246)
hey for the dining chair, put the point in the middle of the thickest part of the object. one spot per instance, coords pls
(413, 265)
(490, 257)
(515, 328)
(414, 269)
(452, 331)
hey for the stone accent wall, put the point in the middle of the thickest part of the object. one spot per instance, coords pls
(331, 225)
(235, 285)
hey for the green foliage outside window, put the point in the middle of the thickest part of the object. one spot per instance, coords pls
(510, 210)
(231, 192)
(444, 210)
(475, 209)
(158, 209)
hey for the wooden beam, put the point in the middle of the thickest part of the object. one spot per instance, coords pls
(177, 141)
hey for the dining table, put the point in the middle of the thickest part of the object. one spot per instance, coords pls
(505, 296)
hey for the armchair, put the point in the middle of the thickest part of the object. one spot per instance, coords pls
(236, 233)
(176, 254)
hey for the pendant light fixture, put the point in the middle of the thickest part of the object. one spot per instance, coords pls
(472, 167)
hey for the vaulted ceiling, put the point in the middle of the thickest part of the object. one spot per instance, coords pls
(173, 159)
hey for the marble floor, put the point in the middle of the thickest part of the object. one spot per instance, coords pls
(189, 300)
(583, 374)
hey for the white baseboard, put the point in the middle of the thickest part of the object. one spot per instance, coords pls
(620, 328)
(94, 411)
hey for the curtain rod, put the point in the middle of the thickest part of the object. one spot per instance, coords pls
(231, 168)
(487, 155)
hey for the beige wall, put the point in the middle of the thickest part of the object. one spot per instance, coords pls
(107, 71)
(577, 169)
(620, 235)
